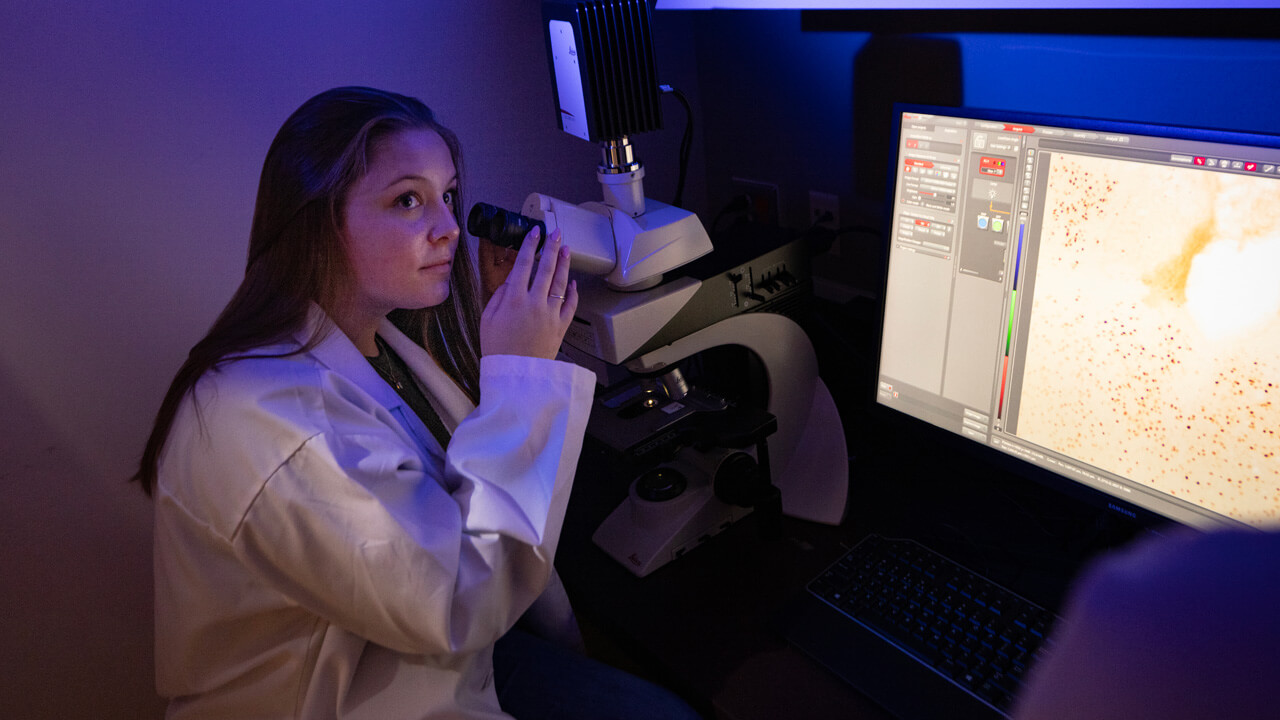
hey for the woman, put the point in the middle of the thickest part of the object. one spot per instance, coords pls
(359, 477)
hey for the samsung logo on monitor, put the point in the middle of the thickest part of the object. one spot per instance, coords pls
(1123, 511)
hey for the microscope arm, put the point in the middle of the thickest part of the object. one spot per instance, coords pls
(809, 459)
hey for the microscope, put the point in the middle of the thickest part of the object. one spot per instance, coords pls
(654, 299)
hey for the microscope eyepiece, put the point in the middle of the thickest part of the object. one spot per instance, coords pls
(502, 227)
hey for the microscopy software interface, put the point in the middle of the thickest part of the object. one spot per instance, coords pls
(1102, 303)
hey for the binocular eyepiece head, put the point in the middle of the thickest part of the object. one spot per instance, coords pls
(502, 227)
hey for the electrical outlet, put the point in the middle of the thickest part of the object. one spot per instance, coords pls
(762, 199)
(824, 209)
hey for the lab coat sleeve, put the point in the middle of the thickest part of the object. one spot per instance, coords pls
(360, 531)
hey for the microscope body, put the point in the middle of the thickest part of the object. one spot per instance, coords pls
(637, 332)
(638, 323)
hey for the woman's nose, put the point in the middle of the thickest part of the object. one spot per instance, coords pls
(444, 227)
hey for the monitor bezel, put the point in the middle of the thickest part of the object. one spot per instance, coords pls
(1241, 23)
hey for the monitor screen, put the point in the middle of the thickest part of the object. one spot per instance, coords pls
(1094, 300)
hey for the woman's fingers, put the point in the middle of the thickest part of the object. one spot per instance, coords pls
(570, 305)
(530, 312)
(560, 276)
(495, 264)
(523, 267)
(547, 264)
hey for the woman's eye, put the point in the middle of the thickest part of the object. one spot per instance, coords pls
(408, 201)
(450, 197)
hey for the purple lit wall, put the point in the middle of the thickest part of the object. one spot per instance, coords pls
(132, 133)
(131, 137)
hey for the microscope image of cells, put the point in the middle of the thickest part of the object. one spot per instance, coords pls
(1165, 370)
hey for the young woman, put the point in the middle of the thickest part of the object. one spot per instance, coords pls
(360, 477)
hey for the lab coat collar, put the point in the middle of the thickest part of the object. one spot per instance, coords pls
(338, 353)
(447, 398)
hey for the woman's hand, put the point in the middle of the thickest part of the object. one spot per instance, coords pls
(530, 312)
(495, 265)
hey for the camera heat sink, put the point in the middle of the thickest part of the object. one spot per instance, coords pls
(603, 69)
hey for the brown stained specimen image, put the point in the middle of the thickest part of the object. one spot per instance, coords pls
(1165, 371)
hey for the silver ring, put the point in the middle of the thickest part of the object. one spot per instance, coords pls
(558, 297)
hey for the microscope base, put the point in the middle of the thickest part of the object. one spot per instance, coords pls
(643, 535)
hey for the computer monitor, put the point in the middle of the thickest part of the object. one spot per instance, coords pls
(1094, 303)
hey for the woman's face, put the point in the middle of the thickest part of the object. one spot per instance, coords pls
(400, 230)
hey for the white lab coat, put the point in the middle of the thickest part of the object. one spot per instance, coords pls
(318, 556)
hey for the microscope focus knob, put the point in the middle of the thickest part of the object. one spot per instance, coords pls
(738, 480)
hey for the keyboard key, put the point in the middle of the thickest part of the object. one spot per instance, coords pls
(975, 632)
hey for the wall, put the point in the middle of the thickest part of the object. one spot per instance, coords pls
(132, 134)
(780, 101)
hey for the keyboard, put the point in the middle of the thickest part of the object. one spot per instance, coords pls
(978, 635)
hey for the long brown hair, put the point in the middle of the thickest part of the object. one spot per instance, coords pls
(296, 255)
